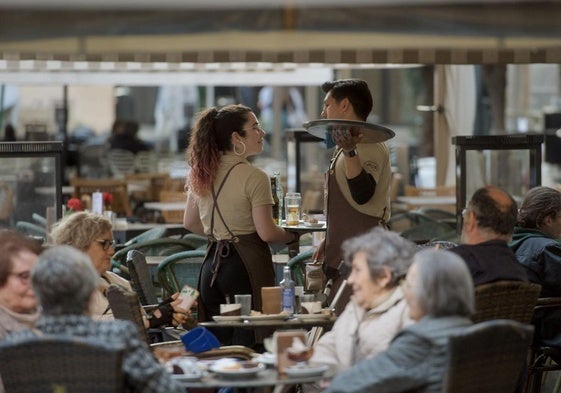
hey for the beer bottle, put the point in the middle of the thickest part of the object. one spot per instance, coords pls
(276, 206)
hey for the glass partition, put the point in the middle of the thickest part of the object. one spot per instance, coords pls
(30, 183)
(512, 162)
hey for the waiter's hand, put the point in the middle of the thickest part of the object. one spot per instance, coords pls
(347, 137)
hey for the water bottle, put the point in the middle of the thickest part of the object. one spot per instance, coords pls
(287, 287)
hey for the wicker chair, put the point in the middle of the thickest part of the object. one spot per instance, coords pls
(541, 355)
(63, 363)
(487, 357)
(506, 300)
(125, 305)
(141, 280)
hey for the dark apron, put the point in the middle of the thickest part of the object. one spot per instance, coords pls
(252, 250)
(343, 222)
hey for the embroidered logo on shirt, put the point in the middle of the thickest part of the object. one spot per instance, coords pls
(371, 166)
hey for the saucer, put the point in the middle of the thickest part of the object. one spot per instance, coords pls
(306, 370)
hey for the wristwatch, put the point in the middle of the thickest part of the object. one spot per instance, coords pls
(350, 153)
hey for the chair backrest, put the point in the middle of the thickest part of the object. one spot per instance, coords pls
(150, 234)
(31, 229)
(121, 162)
(297, 266)
(125, 305)
(146, 161)
(163, 246)
(173, 216)
(39, 220)
(93, 161)
(48, 363)
(116, 187)
(180, 269)
(141, 279)
(506, 300)
(152, 182)
(487, 357)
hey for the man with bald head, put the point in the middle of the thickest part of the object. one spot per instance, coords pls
(488, 223)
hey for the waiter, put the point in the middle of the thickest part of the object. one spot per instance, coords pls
(357, 183)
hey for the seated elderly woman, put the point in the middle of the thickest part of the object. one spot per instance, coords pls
(439, 292)
(379, 260)
(18, 307)
(64, 281)
(92, 234)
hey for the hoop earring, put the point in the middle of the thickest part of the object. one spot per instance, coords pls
(243, 151)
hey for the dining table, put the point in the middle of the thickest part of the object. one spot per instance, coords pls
(265, 377)
(297, 321)
(302, 228)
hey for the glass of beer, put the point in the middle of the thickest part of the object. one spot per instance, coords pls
(293, 208)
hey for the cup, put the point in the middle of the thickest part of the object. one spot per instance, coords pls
(310, 307)
(271, 298)
(245, 301)
(293, 208)
(111, 216)
(308, 297)
(199, 339)
(230, 309)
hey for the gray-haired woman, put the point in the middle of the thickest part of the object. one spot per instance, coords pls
(63, 281)
(379, 260)
(439, 292)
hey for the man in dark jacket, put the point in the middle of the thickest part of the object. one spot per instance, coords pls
(489, 220)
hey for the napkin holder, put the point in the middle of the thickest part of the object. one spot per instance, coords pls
(282, 341)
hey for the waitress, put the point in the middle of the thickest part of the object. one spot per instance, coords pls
(230, 201)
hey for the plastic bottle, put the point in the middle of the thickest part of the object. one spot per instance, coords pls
(287, 286)
(280, 194)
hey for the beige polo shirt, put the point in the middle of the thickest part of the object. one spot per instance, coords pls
(246, 187)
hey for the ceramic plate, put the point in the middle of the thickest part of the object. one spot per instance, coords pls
(306, 370)
(227, 318)
(246, 369)
(305, 317)
(372, 133)
(266, 317)
(318, 224)
(267, 358)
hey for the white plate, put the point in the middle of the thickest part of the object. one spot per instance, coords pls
(318, 224)
(227, 318)
(267, 358)
(222, 369)
(266, 317)
(305, 317)
(303, 371)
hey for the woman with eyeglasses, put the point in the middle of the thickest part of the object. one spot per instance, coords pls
(18, 306)
(92, 234)
(438, 290)
(379, 260)
(230, 201)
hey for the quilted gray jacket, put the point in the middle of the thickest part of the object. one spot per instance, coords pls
(414, 361)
